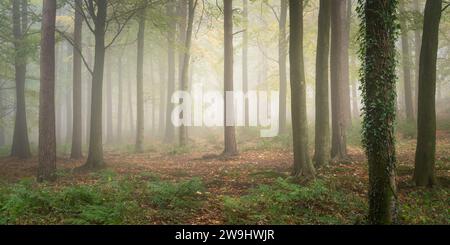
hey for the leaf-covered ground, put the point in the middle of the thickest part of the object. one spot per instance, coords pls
(194, 186)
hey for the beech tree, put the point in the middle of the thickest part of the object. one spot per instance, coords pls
(47, 133)
(424, 171)
(302, 161)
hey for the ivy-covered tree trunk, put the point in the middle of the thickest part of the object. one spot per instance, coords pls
(140, 84)
(406, 60)
(229, 131)
(76, 151)
(426, 119)
(378, 83)
(338, 55)
(20, 145)
(282, 52)
(47, 131)
(302, 162)
(322, 127)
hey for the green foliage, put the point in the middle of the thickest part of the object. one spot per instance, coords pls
(109, 200)
(426, 206)
(286, 202)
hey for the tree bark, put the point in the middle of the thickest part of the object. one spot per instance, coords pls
(186, 62)
(424, 172)
(47, 133)
(20, 146)
(140, 84)
(379, 93)
(338, 77)
(409, 109)
(302, 161)
(170, 131)
(322, 141)
(282, 52)
(230, 147)
(76, 151)
(95, 156)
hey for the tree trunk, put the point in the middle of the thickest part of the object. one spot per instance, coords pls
(409, 109)
(109, 103)
(130, 105)
(95, 156)
(418, 46)
(229, 131)
(378, 84)
(76, 151)
(282, 52)
(424, 172)
(245, 59)
(302, 162)
(322, 141)
(119, 100)
(47, 133)
(20, 146)
(140, 84)
(162, 97)
(338, 85)
(186, 63)
(345, 65)
(170, 131)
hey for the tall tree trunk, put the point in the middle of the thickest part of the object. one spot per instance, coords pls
(245, 59)
(186, 62)
(119, 100)
(379, 92)
(170, 131)
(130, 105)
(162, 97)
(338, 85)
(95, 156)
(418, 46)
(88, 95)
(47, 131)
(409, 109)
(355, 108)
(109, 103)
(322, 141)
(282, 53)
(345, 65)
(140, 84)
(424, 172)
(229, 131)
(76, 151)
(302, 161)
(20, 146)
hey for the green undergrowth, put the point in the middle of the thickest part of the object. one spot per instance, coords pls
(109, 200)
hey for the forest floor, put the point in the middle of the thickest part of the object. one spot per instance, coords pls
(193, 186)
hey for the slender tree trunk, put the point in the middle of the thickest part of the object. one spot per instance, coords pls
(140, 85)
(229, 132)
(130, 106)
(424, 172)
(162, 97)
(170, 131)
(119, 100)
(282, 53)
(418, 46)
(76, 151)
(88, 96)
(20, 146)
(245, 59)
(322, 141)
(345, 65)
(355, 109)
(109, 103)
(47, 133)
(338, 85)
(302, 161)
(409, 109)
(378, 89)
(95, 156)
(186, 62)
